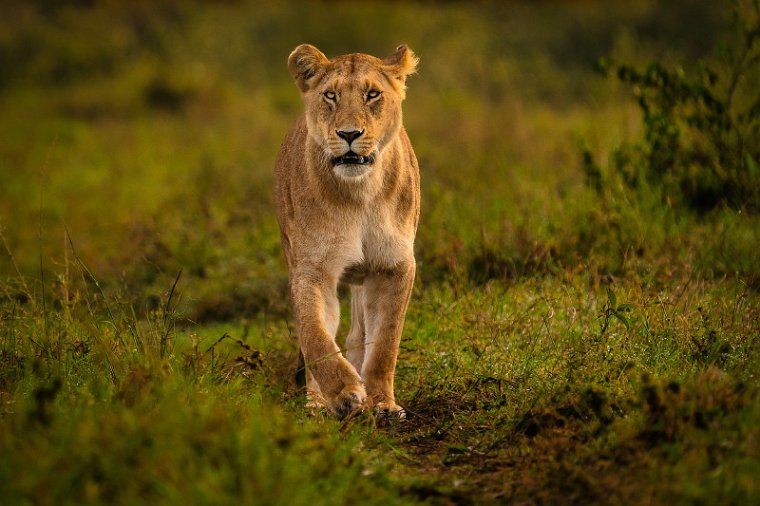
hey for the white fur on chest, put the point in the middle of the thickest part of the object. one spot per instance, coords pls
(362, 240)
(383, 244)
(368, 243)
(383, 247)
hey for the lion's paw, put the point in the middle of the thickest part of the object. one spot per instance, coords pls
(349, 401)
(389, 412)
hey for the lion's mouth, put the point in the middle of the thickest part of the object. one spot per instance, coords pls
(353, 159)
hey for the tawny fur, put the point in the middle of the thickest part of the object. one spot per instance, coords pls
(349, 223)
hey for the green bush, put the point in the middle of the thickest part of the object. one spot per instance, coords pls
(701, 138)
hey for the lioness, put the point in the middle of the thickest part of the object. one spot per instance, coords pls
(347, 193)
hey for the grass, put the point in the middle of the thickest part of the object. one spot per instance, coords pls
(559, 347)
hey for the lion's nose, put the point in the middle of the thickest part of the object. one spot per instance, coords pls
(349, 136)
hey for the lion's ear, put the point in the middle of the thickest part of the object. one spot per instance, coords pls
(402, 63)
(305, 63)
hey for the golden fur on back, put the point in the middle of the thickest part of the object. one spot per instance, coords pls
(348, 198)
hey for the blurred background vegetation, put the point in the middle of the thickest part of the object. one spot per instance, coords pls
(149, 130)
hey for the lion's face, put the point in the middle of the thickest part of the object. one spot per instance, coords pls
(353, 104)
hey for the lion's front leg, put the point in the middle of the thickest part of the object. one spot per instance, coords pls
(386, 297)
(315, 302)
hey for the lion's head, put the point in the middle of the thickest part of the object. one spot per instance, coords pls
(353, 103)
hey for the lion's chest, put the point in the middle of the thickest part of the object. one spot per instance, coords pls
(377, 245)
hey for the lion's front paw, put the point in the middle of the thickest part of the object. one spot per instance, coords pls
(389, 412)
(350, 400)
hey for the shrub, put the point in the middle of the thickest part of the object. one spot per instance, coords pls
(701, 137)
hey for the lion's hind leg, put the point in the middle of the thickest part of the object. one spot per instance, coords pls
(355, 339)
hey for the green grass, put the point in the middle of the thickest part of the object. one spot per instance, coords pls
(559, 347)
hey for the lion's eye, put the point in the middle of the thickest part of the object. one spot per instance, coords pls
(372, 94)
(330, 95)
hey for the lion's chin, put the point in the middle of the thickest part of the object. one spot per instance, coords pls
(352, 171)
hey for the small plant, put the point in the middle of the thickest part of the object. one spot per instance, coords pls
(613, 311)
(701, 141)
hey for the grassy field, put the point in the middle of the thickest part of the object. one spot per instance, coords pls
(571, 339)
